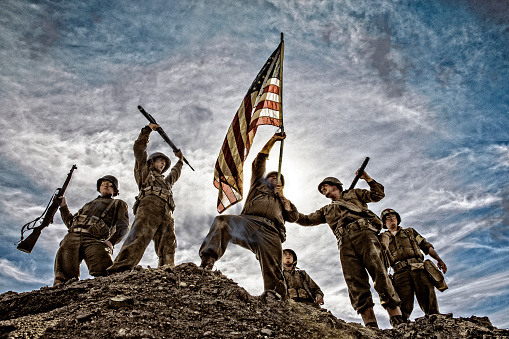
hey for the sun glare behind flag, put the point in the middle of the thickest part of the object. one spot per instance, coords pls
(261, 106)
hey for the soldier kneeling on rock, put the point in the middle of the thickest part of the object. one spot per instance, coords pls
(93, 232)
(301, 287)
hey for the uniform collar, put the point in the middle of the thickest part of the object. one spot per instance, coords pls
(109, 196)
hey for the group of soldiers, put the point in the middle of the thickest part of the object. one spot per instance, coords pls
(260, 228)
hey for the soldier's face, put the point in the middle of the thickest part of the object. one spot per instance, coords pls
(391, 221)
(272, 180)
(106, 188)
(287, 258)
(159, 164)
(327, 190)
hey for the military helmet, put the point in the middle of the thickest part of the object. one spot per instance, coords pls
(331, 181)
(387, 211)
(111, 179)
(293, 254)
(156, 155)
(275, 172)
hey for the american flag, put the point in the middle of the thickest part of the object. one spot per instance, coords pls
(261, 106)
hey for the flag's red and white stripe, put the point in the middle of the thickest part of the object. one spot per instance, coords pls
(259, 107)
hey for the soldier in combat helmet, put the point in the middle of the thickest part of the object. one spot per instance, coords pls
(403, 247)
(93, 232)
(301, 287)
(153, 208)
(259, 228)
(356, 229)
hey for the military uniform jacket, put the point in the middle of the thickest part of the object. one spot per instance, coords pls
(406, 244)
(300, 284)
(146, 178)
(262, 202)
(351, 206)
(117, 217)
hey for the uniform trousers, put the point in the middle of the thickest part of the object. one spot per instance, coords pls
(360, 251)
(408, 283)
(75, 247)
(153, 221)
(253, 234)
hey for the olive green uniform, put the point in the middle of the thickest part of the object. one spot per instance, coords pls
(410, 278)
(85, 239)
(301, 287)
(153, 212)
(259, 228)
(356, 229)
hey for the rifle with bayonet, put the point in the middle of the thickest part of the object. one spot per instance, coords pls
(162, 133)
(359, 174)
(28, 244)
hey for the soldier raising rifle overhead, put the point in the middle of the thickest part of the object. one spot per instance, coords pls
(153, 208)
(356, 228)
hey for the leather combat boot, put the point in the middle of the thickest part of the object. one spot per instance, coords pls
(207, 262)
(396, 320)
(167, 259)
(368, 317)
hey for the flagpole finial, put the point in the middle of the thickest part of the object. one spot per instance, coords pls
(282, 36)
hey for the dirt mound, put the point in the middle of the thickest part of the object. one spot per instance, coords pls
(187, 302)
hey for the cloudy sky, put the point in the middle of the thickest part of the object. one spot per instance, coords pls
(420, 87)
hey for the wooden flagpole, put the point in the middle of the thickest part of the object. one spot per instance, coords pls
(281, 110)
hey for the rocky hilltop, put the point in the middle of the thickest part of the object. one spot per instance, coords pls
(187, 302)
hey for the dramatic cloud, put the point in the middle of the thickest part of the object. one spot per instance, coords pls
(419, 88)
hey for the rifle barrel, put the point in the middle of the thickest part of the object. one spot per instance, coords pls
(162, 133)
(357, 177)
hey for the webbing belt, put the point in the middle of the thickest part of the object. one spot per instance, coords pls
(353, 226)
(398, 266)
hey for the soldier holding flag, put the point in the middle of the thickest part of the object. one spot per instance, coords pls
(260, 227)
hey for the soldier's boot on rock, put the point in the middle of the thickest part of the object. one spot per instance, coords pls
(270, 296)
(167, 259)
(207, 262)
(395, 316)
(397, 320)
(368, 317)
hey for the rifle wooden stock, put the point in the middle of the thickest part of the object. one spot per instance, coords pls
(162, 133)
(28, 244)
(357, 177)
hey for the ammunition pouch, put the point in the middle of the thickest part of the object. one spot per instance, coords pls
(298, 294)
(93, 225)
(437, 278)
(164, 194)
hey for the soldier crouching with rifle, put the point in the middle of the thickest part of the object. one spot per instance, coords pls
(93, 232)
(153, 207)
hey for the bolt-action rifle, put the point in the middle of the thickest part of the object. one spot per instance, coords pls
(47, 218)
(162, 133)
(359, 173)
